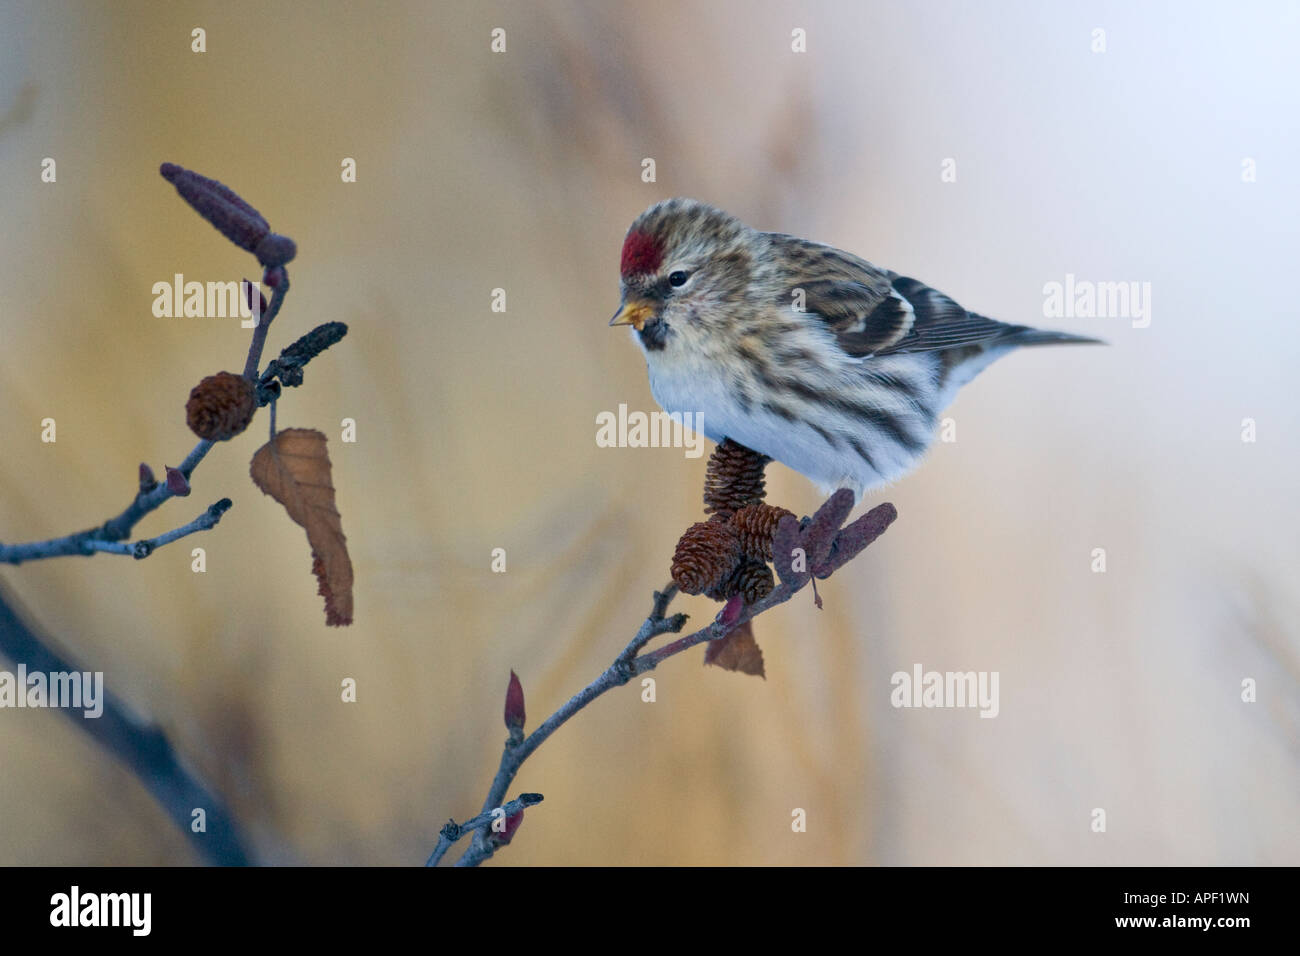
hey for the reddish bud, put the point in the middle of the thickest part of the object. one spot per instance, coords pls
(177, 483)
(502, 837)
(730, 612)
(271, 277)
(515, 706)
(147, 481)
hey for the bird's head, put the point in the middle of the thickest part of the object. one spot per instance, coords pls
(685, 268)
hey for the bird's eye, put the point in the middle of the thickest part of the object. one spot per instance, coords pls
(678, 278)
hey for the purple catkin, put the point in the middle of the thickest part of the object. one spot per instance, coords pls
(784, 540)
(220, 205)
(170, 171)
(274, 250)
(854, 538)
(820, 533)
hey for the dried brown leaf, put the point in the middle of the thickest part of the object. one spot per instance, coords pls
(738, 651)
(294, 469)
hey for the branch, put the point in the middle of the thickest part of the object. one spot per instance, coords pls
(802, 551)
(245, 227)
(141, 746)
(453, 831)
(150, 496)
(93, 541)
(278, 279)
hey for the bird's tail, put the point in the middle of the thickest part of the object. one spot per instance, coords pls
(1019, 335)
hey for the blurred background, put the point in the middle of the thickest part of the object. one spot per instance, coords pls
(476, 430)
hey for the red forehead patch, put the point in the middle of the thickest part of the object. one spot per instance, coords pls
(642, 253)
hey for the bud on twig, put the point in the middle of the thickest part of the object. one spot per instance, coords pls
(515, 708)
(147, 481)
(730, 612)
(177, 483)
(502, 837)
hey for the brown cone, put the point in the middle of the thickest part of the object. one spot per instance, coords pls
(221, 406)
(706, 554)
(756, 523)
(733, 479)
(750, 578)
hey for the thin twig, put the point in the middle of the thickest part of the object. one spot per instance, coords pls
(819, 540)
(623, 669)
(258, 343)
(114, 529)
(147, 546)
(655, 624)
(618, 674)
(453, 831)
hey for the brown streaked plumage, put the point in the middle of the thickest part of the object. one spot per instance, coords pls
(798, 350)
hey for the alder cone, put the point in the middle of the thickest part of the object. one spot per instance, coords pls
(706, 555)
(221, 406)
(756, 524)
(755, 581)
(752, 579)
(733, 479)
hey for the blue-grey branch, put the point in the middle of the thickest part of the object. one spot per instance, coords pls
(802, 551)
(141, 746)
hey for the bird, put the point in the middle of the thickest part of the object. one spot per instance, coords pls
(804, 353)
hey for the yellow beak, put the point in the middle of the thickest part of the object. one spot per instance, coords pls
(635, 314)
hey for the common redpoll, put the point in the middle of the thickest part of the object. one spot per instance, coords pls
(804, 353)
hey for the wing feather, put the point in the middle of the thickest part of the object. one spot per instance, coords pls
(853, 297)
(873, 311)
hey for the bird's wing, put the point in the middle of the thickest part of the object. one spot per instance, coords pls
(853, 297)
(873, 311)
(940, 323)
(943, 324)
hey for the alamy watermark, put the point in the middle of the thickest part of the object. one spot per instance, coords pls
(922, 688)
(1085, 299)
(132, 911)
(71, 690)
(211, 300)
(651, 430)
